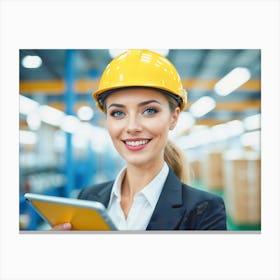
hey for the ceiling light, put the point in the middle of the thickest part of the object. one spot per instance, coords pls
(32, 61)
(198, 137)
(233, 80)
(33, 119)
(51, 115)
(252, 138)
(27, 105)
(69, 124)
(85, 113)
(195, 139)
(27, 137)
(202, 106)
(199, 127)
(219, 132)
(185, 122)
(252, 122)
(234, 128)
(227, 130)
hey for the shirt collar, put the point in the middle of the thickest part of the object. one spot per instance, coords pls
(117, 186)
(151, 191)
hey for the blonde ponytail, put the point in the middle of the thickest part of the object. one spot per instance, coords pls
(176, 160)
(173, 155)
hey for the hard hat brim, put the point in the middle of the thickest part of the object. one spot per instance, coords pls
(101, 95)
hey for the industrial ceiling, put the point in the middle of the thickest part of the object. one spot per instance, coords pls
(200, 70)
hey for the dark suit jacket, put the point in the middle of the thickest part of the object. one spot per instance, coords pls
(180, 207)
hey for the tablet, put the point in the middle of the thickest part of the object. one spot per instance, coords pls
(82, 214)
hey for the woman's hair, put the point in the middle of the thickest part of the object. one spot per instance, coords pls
(174, 156)
(176, 160)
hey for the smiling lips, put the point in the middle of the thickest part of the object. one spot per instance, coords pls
(136, 144)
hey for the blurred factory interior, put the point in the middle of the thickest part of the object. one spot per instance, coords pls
(64, 145)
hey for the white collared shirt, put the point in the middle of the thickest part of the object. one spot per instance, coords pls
(143, 204)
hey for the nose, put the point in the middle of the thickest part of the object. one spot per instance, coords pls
(133, 125)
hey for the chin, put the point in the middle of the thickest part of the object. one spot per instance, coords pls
(141, 161)
(136, 162)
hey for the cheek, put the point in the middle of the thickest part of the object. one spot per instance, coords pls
(158, 127)
(115, 128)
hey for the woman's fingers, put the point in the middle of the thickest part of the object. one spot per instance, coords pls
(65, 226)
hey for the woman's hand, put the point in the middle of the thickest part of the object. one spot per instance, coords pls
(65, 226)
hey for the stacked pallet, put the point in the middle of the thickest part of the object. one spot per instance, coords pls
(242, 188)
(212, 170)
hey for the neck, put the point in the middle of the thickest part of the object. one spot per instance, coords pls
(137, 177)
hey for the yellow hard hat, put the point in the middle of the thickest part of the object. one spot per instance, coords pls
(140, 68)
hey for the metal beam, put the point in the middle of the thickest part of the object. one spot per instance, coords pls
(69, 98)
(61, 105)
(84, 86)
(211, 122)
(208, 84)
(238, 106)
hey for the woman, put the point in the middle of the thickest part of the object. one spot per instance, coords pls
(142, 95)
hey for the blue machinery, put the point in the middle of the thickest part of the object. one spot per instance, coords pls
(69, 168)
(78, 172)
(69, 105)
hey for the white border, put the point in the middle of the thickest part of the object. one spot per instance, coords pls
(153, 24)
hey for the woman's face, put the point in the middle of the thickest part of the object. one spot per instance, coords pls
(138, 121)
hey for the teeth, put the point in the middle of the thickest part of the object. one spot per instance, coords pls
(137, 143)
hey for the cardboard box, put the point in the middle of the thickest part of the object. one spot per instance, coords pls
(196, 170)
(242, 189)
(212, 170)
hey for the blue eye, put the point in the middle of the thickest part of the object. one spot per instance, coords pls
(150, 111)
(117, 114)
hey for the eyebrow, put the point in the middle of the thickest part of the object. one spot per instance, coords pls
(139, 105)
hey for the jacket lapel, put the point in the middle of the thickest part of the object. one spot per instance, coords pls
(169, 211)
(103, 194)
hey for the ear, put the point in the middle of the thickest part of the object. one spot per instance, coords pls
(174, 118)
